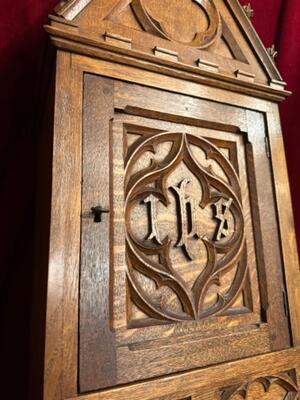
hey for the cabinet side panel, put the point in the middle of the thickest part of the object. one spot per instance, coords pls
(61, 321)
(285, 215)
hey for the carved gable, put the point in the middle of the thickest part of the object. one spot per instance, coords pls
(213, 35)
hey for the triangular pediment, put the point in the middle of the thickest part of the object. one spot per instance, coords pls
(215, 35)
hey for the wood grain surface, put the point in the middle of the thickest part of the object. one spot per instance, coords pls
(173, 268)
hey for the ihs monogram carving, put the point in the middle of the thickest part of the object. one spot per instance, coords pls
(187, 212)
(200, 40)
(150, 255)
(153, 203)
(284, 381)
(222, 214)
(188, 223)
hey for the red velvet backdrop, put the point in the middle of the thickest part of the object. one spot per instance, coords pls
(21, 48)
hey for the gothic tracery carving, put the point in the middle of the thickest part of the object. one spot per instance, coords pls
(201, 39)
(224, 252)
(283, 380)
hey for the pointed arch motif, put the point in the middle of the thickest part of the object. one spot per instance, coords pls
(283, 380)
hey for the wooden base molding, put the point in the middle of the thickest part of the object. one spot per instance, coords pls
(213, 382)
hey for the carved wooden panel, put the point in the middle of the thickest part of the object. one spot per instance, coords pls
(205, 28)
(275, 387)
(192, 184)
(210, 21)
(177, 274)
(191, 229)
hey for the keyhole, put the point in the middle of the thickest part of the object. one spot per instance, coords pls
(97, 211)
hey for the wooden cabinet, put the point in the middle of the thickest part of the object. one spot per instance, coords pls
(172, 268)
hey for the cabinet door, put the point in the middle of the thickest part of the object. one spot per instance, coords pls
(181, 263)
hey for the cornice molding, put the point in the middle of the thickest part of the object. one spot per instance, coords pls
(75, 42)
(66, 33)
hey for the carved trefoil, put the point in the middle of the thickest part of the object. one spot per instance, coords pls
(192, 186)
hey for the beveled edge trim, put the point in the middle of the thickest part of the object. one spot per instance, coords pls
(122, 41)
(277, 84)
(165, 53)
(117, 37)
(80, 44)
(209, 66)
(243, 75)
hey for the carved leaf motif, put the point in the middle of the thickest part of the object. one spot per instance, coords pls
(282, 380)
(222, 255)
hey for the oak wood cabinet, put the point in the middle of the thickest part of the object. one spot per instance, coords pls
(172, 267)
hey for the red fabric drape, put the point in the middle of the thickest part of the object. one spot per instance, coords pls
(21, 47)
(22, 43)
(288, 43)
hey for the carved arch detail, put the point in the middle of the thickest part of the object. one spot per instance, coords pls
(201, 39)
(222, 255)
(216, 28)
(283, 380)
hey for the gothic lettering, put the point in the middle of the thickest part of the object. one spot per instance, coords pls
(188, 223)
(222, 214)
(153, 203)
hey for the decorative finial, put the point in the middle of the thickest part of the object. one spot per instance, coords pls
(248, 10)
(273, 53)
